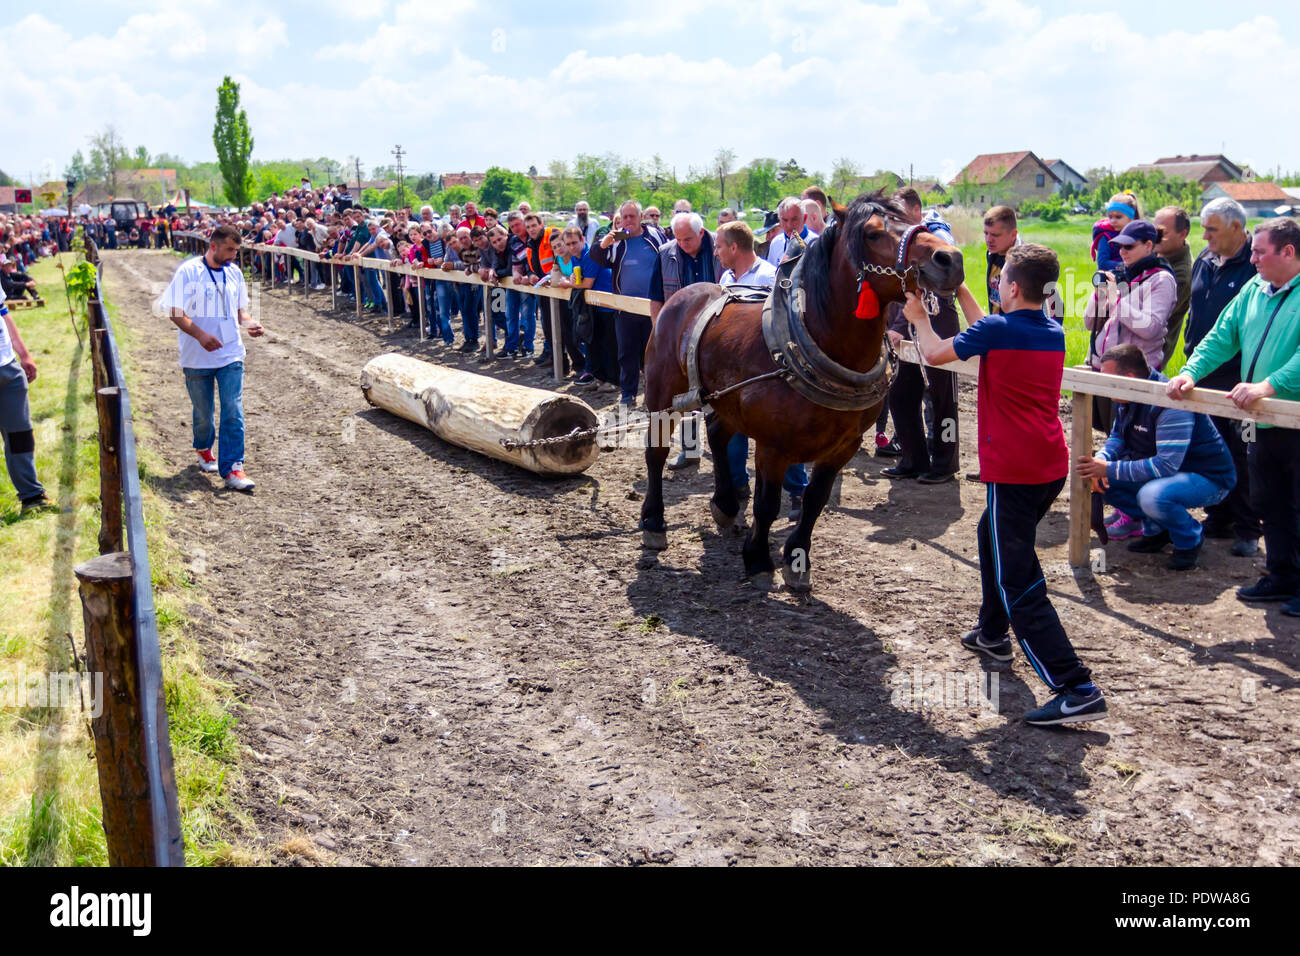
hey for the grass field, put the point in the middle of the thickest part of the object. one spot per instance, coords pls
(49, 794)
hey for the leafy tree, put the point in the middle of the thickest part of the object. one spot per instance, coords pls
(268, 181)
(107, 156)
(502, 189)
(234, 144)
(791, 170)
(7, 180)
(76, 169)
(761, 187)
(593, 181)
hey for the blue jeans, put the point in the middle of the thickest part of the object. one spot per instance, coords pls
(500, 313)
(446, 296)
(1161, 504)
(376, 292)
(471, 303)
(633, 333)
(796, 476)
(433, 313)
(229, 381)
(521, 314)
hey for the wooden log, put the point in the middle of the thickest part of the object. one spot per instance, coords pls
(476, 412)
(1080, 487)
(106, 589)
(109, 404)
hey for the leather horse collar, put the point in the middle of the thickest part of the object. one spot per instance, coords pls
(810, 371)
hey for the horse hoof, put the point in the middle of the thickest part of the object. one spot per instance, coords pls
(654, 540)
(762, 581)
(720, 517)
(800, 582)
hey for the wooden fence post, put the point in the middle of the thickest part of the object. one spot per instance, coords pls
(356, 286)
(487, 324)
(1080, 487)
(107, 592)
(109, 404)
(557, 342)
(419, 291)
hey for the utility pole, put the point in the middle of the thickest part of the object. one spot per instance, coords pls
(401, 180)
(910, 171)
(357, 160)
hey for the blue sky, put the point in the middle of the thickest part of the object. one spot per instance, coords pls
(928, 83)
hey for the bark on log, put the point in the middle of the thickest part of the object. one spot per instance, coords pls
(476, 412)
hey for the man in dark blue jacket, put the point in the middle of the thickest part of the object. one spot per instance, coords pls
(1218, 274)
(1159, 462)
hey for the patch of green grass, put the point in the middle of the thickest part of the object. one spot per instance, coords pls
(49, 790)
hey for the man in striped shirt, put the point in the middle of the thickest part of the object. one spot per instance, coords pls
(1158, 463)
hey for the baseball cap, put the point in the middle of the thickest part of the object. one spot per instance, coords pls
(1139, 230)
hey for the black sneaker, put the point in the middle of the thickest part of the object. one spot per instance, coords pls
(39, 503)
(543, 359)
(1245, 548)
(1184, 559)
(891, 450)
(998, 649)
(1268, 588)
(468, 348)
(898, 472)
(1150, 544)
(1069, 707)
(936, 478)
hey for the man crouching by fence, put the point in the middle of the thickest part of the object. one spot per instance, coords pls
(209, 302)
(1023, 463)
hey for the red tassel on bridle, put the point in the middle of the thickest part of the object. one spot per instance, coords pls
(868, 302)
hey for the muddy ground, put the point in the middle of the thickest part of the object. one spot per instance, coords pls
(445, 659)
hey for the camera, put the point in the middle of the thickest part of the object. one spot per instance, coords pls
(1099, 277)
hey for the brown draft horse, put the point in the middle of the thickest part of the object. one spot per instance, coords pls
(787, 428)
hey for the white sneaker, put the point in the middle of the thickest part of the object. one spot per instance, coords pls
(318, 286)
(237, 480)
(207, 460)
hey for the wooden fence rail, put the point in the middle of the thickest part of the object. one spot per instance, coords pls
(137, 780)
(1082, 382)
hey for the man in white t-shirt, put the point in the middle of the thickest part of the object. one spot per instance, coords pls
(208, 302)
(16, 370)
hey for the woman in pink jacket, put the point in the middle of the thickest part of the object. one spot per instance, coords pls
(1133, 307)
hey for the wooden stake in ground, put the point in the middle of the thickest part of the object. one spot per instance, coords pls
(106, 589)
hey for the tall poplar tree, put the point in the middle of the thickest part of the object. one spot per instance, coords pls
(234, 144)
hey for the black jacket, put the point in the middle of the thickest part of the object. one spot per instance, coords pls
(1213, 287)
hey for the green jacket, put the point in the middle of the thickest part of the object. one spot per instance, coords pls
(1241, 327)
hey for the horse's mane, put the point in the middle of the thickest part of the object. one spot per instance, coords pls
(816, 276)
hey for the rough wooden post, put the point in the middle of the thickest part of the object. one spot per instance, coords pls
(306, 273)
(106, 589)
(334, 289)
(356, 286)
(557, 342)
(1080, 487)
(109, 404)
(388, 296)
(419, 291)
(490, 343)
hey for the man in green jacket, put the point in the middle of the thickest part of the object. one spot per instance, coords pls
(1263, 323)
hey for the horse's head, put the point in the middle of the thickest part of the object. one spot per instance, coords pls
(895, 254)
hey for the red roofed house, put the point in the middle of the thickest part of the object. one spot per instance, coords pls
(472, 180)
(1202, 170)
(1258, 199)
(1004, 178)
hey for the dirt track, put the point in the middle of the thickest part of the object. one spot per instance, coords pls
(448, 660)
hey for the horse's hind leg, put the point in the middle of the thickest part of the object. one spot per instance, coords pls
(724, 505)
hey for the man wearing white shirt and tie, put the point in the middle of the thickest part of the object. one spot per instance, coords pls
(208, 302)
(791, 216)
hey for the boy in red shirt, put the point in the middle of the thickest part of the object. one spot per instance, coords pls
(1024, 463)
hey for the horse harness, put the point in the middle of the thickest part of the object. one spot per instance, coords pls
(799, 360)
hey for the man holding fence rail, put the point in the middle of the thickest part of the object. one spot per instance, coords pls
(1263, 324)
(208, 302)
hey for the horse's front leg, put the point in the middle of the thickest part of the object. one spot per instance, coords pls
(767, 504)
(796, 567)
(654, 530)
(724, 506)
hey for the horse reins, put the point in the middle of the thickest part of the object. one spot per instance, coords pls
(900, 271)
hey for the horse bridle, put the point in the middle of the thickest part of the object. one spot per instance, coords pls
(900, 270)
